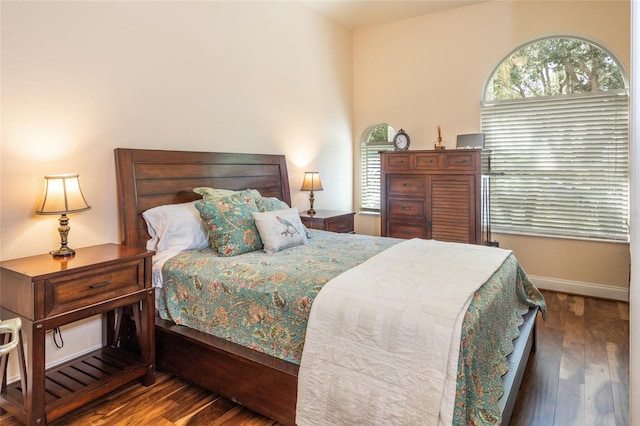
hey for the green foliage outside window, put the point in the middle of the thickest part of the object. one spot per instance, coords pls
(556, 66)
(380, 134)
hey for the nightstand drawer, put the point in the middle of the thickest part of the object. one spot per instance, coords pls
(340, 224)
(73, 291)
(329, 220)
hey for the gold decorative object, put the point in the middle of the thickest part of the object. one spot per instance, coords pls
(439, 144)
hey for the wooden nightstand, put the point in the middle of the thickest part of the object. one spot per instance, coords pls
(47, 292)
(329, 220)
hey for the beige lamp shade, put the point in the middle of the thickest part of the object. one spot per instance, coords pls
(62, 194)
(311, 182)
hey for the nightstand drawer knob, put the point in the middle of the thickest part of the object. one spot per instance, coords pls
(104, 284)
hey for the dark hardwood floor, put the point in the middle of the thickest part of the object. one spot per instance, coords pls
(580, 372)
(578, 376)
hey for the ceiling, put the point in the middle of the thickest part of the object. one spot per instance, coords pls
(357, 14)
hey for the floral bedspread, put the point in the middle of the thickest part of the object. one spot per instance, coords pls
(262, 301)
(258, 300)
(497, 306)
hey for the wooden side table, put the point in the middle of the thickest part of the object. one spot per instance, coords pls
(329, 220)
(47, 292)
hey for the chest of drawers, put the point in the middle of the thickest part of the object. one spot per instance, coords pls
(432, 194)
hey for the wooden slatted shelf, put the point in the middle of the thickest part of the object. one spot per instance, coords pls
(70, 385)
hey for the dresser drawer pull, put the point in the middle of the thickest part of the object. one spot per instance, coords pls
(406, 232)
(406, 208)
(104, 284)
(406, 184)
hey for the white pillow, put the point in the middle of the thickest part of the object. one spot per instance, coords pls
(175, 227)
(280, 229)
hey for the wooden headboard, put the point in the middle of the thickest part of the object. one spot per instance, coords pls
(149, 178)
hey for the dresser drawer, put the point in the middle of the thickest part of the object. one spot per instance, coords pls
(406, 185)
(74, 291)
(428, 161)
(397, 161)
(410, 208)
(462, 161)
(406, 230)
(343, 224)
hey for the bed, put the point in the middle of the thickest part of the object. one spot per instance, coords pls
(257, 380)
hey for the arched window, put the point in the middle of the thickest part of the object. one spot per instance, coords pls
(377, 138)
(556, 120)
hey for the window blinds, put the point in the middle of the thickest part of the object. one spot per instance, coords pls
(370, 175)
(560, 165)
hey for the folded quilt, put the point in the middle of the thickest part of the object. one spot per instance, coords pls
(382, 336)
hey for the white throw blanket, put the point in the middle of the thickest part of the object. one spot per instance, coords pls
(382, 336)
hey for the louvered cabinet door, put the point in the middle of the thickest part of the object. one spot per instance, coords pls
(452, 215)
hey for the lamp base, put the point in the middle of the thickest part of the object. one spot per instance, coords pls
(311, 211)
(63, 229)
(63, 252)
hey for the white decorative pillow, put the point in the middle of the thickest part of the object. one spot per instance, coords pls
(175, 227)
(280, 229)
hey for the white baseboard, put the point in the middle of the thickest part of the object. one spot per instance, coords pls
(581, 288)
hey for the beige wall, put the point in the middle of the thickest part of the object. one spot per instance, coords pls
(82, 78)
(430, 71)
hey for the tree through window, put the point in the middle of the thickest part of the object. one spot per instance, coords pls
(555, 66)
(556, 116)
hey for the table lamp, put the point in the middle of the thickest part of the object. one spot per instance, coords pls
(62, 195)
(311, 183)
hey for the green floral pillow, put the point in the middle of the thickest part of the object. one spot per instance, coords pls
(230, 225)
(269, 204)
(214, 194)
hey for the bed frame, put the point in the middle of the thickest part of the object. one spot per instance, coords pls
(149, 178)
